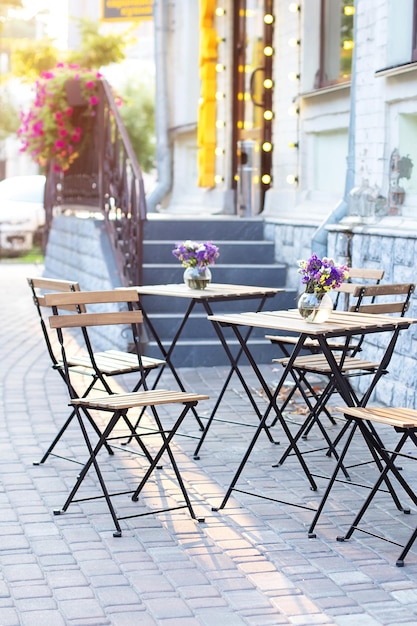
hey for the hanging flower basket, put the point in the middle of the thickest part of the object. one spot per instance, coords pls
(57, 126)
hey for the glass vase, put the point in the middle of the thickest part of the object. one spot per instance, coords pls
(197, 278)
(315, 307)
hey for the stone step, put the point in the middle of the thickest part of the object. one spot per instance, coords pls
(261, 275)
(215, 228)
(231, 252)
(197, 326)
(157, 305)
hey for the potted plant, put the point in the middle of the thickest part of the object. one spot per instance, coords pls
(57, 125)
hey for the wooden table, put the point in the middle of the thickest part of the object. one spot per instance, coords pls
(214, 293)
(340, 324)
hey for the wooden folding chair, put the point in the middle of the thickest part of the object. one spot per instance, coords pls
(404, 422)
(395, 299)
(105, 365)
(118, 405)
(345, 297)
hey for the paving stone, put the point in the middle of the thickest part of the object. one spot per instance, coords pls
(33, 618)
(163, 609)
(250, 564)
(9, 617)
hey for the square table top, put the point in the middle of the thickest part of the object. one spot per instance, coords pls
(339, 322)
(213, 291)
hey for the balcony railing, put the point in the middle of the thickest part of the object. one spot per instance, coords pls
(106, 178)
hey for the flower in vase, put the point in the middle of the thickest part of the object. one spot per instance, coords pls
(196, 254)
(321, 275)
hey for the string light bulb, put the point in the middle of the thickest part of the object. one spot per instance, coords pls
(268, 83)
(266, 179)
(268, 51)
(220, 11)
(268, 115)
(268, 18)
(292, 179)
(294, 109)
(267, 146)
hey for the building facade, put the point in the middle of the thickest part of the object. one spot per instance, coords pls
(306, 115)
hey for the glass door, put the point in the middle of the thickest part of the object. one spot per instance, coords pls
(252, 102)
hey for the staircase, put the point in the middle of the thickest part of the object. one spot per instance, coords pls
(245, 258)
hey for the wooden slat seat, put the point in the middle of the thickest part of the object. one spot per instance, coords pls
(310, 344)
(115, 362)
(404, 422)
(396, 417)
(319, 364)
(151, 397)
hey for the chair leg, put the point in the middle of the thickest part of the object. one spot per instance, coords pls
(389, 460)
(166, 448)
(93, 461)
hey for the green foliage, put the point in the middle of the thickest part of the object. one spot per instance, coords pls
(138, 115)
(9, 116)
(30, 58)
(97, 50)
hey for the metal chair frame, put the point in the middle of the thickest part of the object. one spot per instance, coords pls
(118, 404)
(102, 367)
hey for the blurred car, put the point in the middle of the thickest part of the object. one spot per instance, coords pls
(22, 214)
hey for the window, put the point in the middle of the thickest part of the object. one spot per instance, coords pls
(336, 42)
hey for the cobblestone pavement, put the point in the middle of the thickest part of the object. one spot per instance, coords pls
(250, 563)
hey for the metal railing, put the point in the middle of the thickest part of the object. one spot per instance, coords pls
(106, 177)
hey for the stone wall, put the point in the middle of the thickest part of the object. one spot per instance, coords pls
(78, 249)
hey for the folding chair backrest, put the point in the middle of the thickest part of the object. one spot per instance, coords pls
(61, 318)
(81, 298)
(383, 299)
(357, 275)
(39, 287)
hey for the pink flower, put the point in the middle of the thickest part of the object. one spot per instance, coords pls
(59, 144)
(93, 100)
(63, 132)
(69, 111)
(90, 84)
